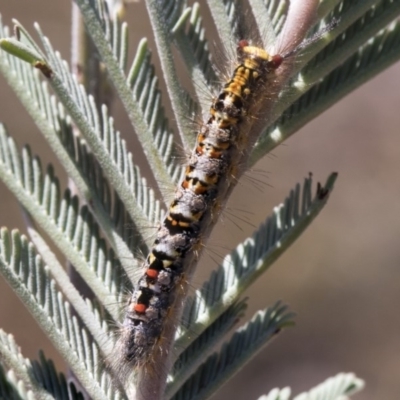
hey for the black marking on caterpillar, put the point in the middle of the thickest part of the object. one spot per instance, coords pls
(219, 142)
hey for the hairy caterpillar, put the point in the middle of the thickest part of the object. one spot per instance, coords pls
(219, 144)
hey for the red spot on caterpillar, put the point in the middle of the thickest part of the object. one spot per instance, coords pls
(140, 308)
(276, 61)
(152, 273)
(242, 43)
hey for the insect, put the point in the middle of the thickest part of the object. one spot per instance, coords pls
(209, 172)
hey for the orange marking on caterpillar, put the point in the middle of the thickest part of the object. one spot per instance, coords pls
(152, 273)
(140, 308)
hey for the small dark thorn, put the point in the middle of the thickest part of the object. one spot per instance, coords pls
(44, 68)
(321, 192)
(17, 32)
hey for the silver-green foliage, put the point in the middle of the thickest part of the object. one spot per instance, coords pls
(94, 236)
(335, 388)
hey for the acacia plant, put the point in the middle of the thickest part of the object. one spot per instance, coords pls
(349, 42)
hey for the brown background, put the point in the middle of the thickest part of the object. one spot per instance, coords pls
(342, 277)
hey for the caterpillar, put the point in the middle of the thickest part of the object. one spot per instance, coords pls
(218, 145)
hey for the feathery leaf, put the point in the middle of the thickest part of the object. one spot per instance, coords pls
(203, 345)
(251, 258)
(335, 388)
(138, 93)
(98, 130)
(357, 22)
(26, 275)
(382, 51)
(11, 387)
(13, 360)
(71, 228)
(78, 162)
(245, 343)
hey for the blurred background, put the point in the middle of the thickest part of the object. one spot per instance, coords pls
(342, 277)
